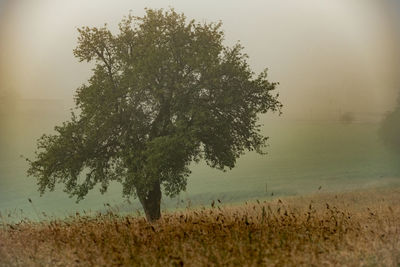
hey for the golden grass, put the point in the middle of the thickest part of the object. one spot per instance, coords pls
(347, 229)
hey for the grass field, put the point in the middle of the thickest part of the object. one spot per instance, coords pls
(352, 229)
(302, 156)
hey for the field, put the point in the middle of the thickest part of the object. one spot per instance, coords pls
(309, 226)
(351, 228)
(302, 156)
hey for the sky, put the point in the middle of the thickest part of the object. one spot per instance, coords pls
(328, 56)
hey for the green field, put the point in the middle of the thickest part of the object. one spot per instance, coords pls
(303, 156)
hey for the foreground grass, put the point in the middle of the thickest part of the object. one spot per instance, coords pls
(355, 228)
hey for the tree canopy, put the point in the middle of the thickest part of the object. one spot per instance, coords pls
(164, 92)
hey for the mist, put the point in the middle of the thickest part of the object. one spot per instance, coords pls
(329, 57)
(326, 56)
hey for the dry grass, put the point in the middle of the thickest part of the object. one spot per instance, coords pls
(351, 229)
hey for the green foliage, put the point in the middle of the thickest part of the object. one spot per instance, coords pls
(164, 92)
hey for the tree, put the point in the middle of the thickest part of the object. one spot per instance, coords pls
(390, 129)
(347, 117)
(164, 92)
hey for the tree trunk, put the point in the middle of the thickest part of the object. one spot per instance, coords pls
(151, 203)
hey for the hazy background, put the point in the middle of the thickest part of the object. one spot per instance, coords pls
(327, 55)
(330, 57)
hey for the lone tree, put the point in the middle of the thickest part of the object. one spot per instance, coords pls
(164, 92)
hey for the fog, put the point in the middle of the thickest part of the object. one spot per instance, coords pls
(330, 58)
(327, 55)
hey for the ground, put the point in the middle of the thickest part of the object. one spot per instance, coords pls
(349, 228)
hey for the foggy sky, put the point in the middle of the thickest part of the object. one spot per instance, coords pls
(339, 55)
